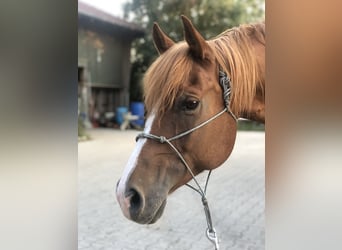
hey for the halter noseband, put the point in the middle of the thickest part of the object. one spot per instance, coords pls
(225, 84)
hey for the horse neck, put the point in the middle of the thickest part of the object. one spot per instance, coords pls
(257, 110)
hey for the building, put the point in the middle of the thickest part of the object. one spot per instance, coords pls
(104, 46)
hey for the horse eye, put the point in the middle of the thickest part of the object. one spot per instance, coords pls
(190, 104)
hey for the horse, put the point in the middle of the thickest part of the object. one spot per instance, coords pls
(194, 93)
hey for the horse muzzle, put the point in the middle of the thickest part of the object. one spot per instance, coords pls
(139, 207)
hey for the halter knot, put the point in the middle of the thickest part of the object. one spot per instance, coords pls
(138, 137)
(162, 139)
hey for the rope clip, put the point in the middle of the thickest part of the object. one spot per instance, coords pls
(212, 236)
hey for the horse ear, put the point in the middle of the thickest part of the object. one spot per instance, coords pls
(161, 41)
(198, 46)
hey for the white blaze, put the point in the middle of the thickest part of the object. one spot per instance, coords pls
(132, 161)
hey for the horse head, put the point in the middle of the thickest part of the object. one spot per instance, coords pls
(182, 90)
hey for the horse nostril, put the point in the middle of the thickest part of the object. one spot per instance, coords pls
(135, 202)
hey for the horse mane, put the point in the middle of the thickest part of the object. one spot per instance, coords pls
(233, 50)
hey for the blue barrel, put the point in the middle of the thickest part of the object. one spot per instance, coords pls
(120, 112)
(137, 108)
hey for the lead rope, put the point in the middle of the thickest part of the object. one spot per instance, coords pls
(224, 81)
(211, 232)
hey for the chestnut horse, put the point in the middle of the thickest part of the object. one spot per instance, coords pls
(191, 118)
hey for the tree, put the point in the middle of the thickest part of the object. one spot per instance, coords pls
(210, 18)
